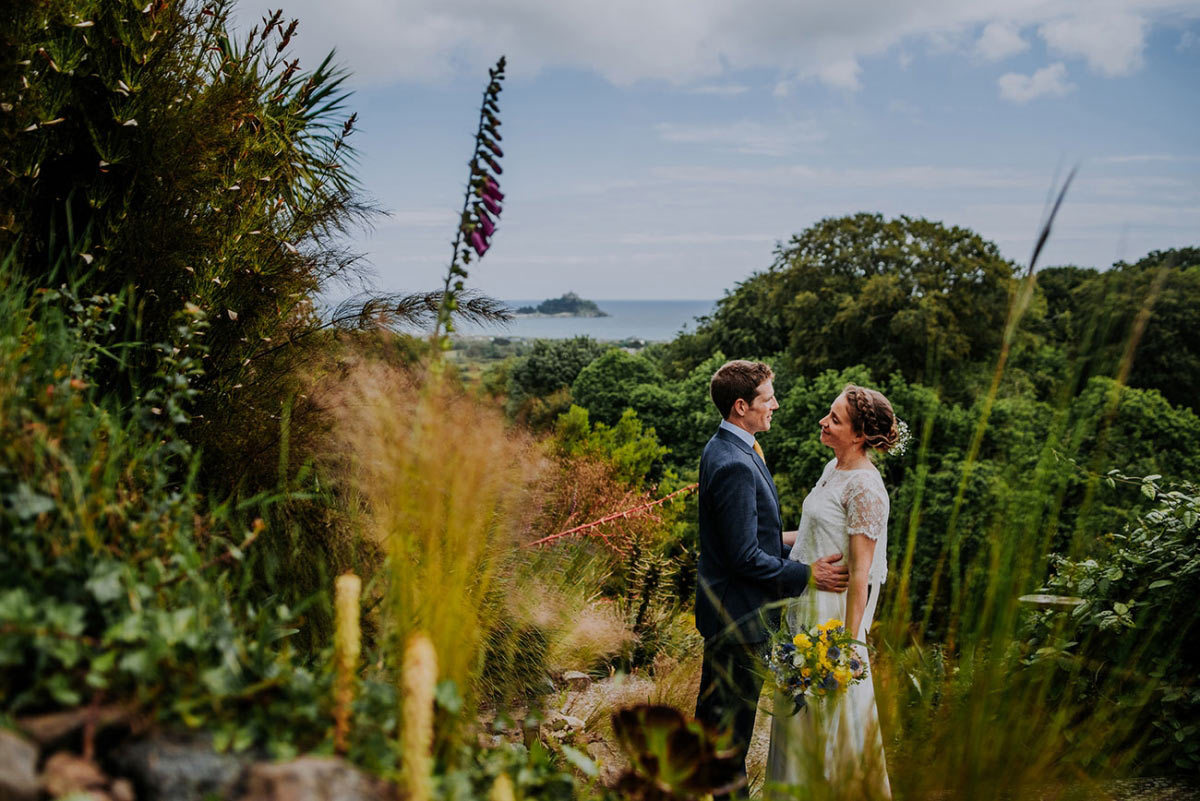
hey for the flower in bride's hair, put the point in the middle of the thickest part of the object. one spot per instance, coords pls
(903, 437)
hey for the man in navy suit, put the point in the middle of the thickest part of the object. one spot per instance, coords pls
(743, 561)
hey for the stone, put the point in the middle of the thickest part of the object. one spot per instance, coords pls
(18, 768)
(311, 779)
(45, 729)
(611, 762)
(165, 768)
(65, 773)
(122, 790)
(577, 680)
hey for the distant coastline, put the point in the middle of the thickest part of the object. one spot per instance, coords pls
(569, 305)
(648, 320)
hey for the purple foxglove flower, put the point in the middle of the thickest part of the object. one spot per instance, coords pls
(492, 146)
(479, 243)
(492, 205)
(485, 222)
(492, 190)
(491, 129)
(491, 163)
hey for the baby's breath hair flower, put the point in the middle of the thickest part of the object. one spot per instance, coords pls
(903, 436)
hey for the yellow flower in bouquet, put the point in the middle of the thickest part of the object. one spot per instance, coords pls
(814, 662)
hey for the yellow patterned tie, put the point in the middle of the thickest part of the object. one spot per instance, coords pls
(758, 450)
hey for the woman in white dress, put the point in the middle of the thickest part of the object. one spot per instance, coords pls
(833, 748)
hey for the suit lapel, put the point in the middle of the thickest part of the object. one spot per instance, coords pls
(762, 467)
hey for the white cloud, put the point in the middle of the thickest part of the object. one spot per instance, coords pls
(841, 74)
(744, 137)
(1000, 40)
(690, 43)
(1112, 43)
(1049, 81)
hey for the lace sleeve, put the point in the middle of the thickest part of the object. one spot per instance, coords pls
(866, 509)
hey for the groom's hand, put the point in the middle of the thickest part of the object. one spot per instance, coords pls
(830, 577)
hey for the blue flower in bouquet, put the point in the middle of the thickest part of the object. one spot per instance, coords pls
(830, 683)
(833, 653)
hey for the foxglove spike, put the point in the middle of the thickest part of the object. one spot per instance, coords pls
(492, 106)
(492, 163)
(495, 148)
(492, 205)
(493, 88)
(479, 243)
(491, 118)
(495, 134)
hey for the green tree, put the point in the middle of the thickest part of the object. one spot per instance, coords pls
(604, 387)
(1165, 287)
(550, 367)
(629, 446)
(907, 295)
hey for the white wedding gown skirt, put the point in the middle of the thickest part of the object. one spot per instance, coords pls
(833, 748)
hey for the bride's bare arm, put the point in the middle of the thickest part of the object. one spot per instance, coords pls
(862, 551)
(789, 538)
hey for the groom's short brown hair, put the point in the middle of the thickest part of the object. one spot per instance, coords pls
(737, 379)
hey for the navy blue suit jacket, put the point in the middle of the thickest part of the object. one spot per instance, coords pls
(743, 561)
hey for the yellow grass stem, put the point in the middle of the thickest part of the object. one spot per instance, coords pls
(347, 646)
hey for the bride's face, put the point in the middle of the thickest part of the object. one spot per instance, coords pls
(836, 429)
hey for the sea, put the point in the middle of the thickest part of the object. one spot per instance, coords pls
(647, 320)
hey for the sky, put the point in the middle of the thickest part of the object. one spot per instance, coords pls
(665, 148)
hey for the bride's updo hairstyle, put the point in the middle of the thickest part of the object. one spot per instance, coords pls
(872, 416)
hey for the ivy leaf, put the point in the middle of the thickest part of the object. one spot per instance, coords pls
(28, 504)
(105, 583)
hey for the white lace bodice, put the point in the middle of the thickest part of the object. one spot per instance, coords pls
(844, 502)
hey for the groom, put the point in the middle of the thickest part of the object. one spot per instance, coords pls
(743, 561)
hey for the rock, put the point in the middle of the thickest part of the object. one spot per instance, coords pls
(65, 773)
(45, 729)
(177, 769)
(577, 680)
(311, 779)
(609, 760)
(122, 790)
(18, 768)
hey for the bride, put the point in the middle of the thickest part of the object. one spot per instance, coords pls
(834, 745)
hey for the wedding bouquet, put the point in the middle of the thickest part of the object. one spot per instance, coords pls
(814, 663)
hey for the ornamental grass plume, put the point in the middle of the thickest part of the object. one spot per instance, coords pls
(416, 744)
(502, 789)
(347, 647)
(481, 203)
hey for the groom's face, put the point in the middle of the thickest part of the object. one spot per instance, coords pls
(758, 413)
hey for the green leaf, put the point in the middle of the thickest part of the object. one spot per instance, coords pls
(61, 690)
(105, 583)
(1161, 583)
(28, 504)
(447, 696)
(1149, 491)
(581, 761)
